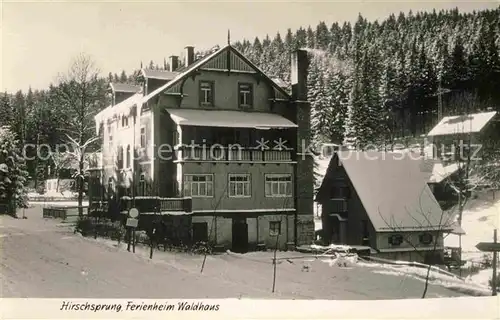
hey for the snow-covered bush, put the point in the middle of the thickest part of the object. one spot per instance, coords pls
(13, 174)
(497, 284)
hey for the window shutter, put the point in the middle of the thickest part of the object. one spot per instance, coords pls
(212, 94)
(250, 96)
(200, 93)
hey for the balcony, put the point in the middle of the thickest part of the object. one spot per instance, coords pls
(233, 155)
(151, 204)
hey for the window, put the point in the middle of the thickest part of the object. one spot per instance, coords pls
(110, 137)
(206, 93)
(198, 185)
(120, 157)
(245, 94)
(340, 193)
(128, 156)
(396, 240)
(142, 184)
(338, 205)
(124, 121)
(239, 185)
(274, 228)
(278, 185)
(426, 238)
(143, 137)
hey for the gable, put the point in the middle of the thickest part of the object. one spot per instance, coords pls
(234, 63)
(328, 169)
(226, 59)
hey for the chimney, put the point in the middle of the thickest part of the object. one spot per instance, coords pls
(299, 75)
(174, 63)
(304, 168)
(189, 59)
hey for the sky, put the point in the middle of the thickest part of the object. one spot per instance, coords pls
(40, 39)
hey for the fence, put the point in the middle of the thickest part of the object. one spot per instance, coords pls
(64, 213)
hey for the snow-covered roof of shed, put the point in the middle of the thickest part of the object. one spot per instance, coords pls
(158, 74)
(463, 124)
(124, 87)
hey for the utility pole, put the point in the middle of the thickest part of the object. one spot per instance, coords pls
(440, 102)
(495, 257)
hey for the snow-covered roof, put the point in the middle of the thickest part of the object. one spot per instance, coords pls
(281, 83)
(118, 109)
(158, 74)
(124, 87)
(230, 119)
(441, 172)
(472, 123)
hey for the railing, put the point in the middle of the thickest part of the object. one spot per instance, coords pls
(234, 154)
(63, 213)
(152, 204)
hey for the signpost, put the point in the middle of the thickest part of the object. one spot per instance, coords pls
(132, 223)
(495, 248)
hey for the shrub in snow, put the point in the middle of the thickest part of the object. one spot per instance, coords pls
(84, 226)
(486, 261)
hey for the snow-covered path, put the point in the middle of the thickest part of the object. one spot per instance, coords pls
(43, 258)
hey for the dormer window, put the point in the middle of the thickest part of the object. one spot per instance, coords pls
(245, 94)
(206, 93)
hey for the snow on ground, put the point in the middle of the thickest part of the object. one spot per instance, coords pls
(480, 217)
(41, 261)
(483, 277)
(436, 278)
(64, 194)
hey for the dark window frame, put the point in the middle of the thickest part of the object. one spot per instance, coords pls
(429, 240)
(395, 240)
(250, 96)
(201, 93)
(143, 137)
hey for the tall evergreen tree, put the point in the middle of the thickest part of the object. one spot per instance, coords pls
(13, 174)
(6, 112)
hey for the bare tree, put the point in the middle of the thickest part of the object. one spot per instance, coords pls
(82, 94)
(61, 160)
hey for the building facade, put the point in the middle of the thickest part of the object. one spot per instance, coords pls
(220, 142)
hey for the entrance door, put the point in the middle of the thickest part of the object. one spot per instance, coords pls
(200, 232)
(240, 235)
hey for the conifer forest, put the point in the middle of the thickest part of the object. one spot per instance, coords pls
(368, 81)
